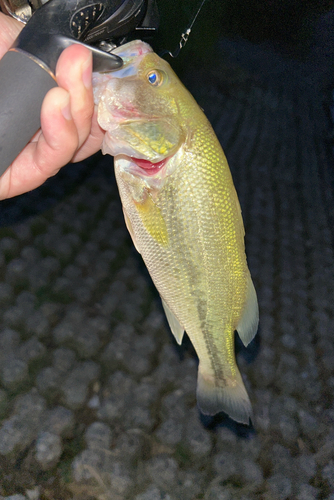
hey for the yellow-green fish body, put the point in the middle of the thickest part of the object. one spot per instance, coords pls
(183, 214)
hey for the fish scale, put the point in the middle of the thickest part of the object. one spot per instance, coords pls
(184, 219)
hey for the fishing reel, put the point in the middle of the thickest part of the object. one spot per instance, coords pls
(27, 69)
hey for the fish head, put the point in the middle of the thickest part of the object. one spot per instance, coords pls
(139, 108)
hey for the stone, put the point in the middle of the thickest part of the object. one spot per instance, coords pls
(37, 324)
(33, 494)
(86, 341)
(216, 491)
(279, 486)
(130, 445)
(48, 450)
(328, 473)
(309, 424)
(15, 497)
(163, 470)
(48, 381)
(198, 439)
(89, 464)
(75, 386)
(307, 492)
(225, 464)
(9, 340)
(120, 479)
(21, 428)
(153, 493)
(31, 350)
(170, 432)
(251, 473)
(98, 435)
(191, 486)
(13, 372)
(59, 421)
(305, 467)
(6, 294)
(63, 359)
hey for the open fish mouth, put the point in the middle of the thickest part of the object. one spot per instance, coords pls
(146, 168)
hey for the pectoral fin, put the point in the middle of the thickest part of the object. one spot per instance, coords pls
(152, 219)
(177, 329)
(249, 321)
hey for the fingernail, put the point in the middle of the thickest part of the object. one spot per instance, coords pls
(87, 72)
(66, 110)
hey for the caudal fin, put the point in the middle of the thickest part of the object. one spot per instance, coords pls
(232, 399)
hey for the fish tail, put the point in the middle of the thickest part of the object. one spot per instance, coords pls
(230, 396)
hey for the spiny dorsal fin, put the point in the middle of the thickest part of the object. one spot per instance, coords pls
(249, 320)
(174, 324)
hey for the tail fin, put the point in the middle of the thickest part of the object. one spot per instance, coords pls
(233, 399)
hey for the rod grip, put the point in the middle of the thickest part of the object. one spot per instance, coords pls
(23, 86)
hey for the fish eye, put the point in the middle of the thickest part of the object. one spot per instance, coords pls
(155, 77)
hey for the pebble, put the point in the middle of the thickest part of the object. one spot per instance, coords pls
(280, 486)
(20, 429)
(307, 492)
(197, 438)
(225, 464)
(98, 435)
(48, 449)
(15, 497)
(305, 467)
(59, 421)
(328, 473)
(215, 491)
(250, 472)
(120, 479)
(75, 386)
(309, 424)
(48, 381)
(154, 493)
(31, 350)
(13, 373)
(131, 445)
(162, 470)
(37, 324)
(63, 359)
(170, 431)
(6, 294)
(90, 463)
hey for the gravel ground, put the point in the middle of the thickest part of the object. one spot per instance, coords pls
(96, 399)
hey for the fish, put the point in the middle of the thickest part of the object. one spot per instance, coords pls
(182, 212)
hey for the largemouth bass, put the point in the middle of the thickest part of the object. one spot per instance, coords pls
(184, 217)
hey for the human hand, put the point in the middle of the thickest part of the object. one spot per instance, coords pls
(69, 129)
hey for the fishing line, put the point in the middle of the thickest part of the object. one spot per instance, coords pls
(184, 35)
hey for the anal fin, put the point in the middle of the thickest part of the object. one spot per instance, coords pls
(174, 324)
(249, 320)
